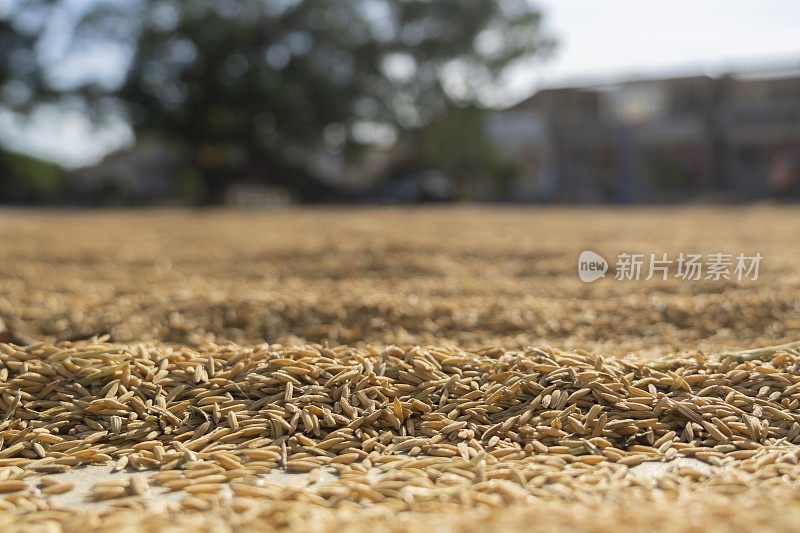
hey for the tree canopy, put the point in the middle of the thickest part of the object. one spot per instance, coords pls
(260, 86)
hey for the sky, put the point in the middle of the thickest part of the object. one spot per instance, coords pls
(598, 40)
(618, 38)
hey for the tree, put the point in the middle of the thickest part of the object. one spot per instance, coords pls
(23, 178)
(251, 88)
(455, 144)
(20, 78)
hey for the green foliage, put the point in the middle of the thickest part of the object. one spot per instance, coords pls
(456, 145)
(191, 184)
(268, 74)
(275, 81)
(28, 179)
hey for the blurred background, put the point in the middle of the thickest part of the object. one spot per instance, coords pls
(272, 102)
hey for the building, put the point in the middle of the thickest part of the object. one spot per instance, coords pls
(657, 140)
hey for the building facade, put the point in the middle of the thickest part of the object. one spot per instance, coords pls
(735, 136)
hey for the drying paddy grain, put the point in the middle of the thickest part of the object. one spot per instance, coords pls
(395, 370)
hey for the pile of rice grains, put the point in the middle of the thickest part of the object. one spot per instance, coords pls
(312, 437)
(470, 277)
(135, 394)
